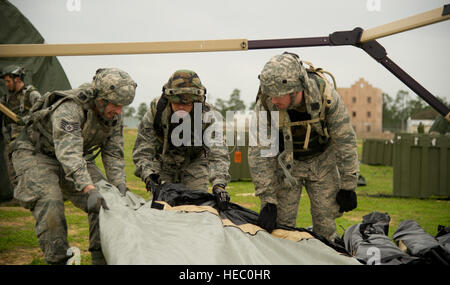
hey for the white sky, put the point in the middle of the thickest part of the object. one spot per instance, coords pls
(422, 52)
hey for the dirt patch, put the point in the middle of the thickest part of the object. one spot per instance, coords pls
(16, 222)
(15, 209)
(74, 231)
(246, 194)
(20, 256)
(247, 205)
(353, 218)
(130, 131)
(72, 210)
(24, 256)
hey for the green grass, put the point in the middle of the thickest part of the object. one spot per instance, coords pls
(19, 245)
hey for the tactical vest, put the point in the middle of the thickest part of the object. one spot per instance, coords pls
(20, 104)
(163, 128)
(304, 130)
(94, 131)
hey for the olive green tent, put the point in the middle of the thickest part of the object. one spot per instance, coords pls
(45, 73)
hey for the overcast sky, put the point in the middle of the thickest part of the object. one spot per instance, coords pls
(422, 52)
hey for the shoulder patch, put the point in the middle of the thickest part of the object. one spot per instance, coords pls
(69, 127)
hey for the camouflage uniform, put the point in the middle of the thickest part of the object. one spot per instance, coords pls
(20, 103)
(317, 146)
(55, 157)
(154, 153)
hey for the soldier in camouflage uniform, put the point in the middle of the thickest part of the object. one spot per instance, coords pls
(156, 157)
(54, 157)
(317, 148)
(19, 100)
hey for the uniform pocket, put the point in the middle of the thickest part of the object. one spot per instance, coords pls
(322, 165)
(27, 190)
(197, 169)
(23, 160)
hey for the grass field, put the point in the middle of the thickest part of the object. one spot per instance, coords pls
(19, 245)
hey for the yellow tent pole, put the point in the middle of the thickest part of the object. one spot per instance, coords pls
(26, 50)
(8, 112)
(406, 24)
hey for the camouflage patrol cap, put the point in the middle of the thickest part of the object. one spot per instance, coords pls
(184, 86)
(281, 75)
(114, 85)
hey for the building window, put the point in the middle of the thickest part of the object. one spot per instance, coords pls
(369, 100)
(353, 114)
(353, 99)
(368, 114)
(368, 128)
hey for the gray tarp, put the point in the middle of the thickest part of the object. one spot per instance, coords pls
(369, 243)
(419, 243)
(134, 233)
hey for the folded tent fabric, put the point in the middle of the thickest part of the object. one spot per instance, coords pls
(368, 242)
(417, 242)
(187, 232)
(443, 237)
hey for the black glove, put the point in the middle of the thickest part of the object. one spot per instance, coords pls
(151, 181)
(95, 201)
(346, 199)
(268, 217)
(222, 196)
(123, 189)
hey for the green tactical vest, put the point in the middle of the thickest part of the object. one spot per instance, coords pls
(94, 131)
(303, 129)
(163, 128)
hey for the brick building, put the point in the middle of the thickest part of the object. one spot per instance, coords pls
(364, 104)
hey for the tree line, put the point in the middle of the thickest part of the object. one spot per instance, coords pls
(397, 110)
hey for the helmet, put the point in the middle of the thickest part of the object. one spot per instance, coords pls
(13, 71)
(282, 75)
(184, 86)
(114, 85)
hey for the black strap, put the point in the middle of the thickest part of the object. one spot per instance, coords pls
(160, 107)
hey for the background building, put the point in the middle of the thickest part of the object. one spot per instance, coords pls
(364, 104)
